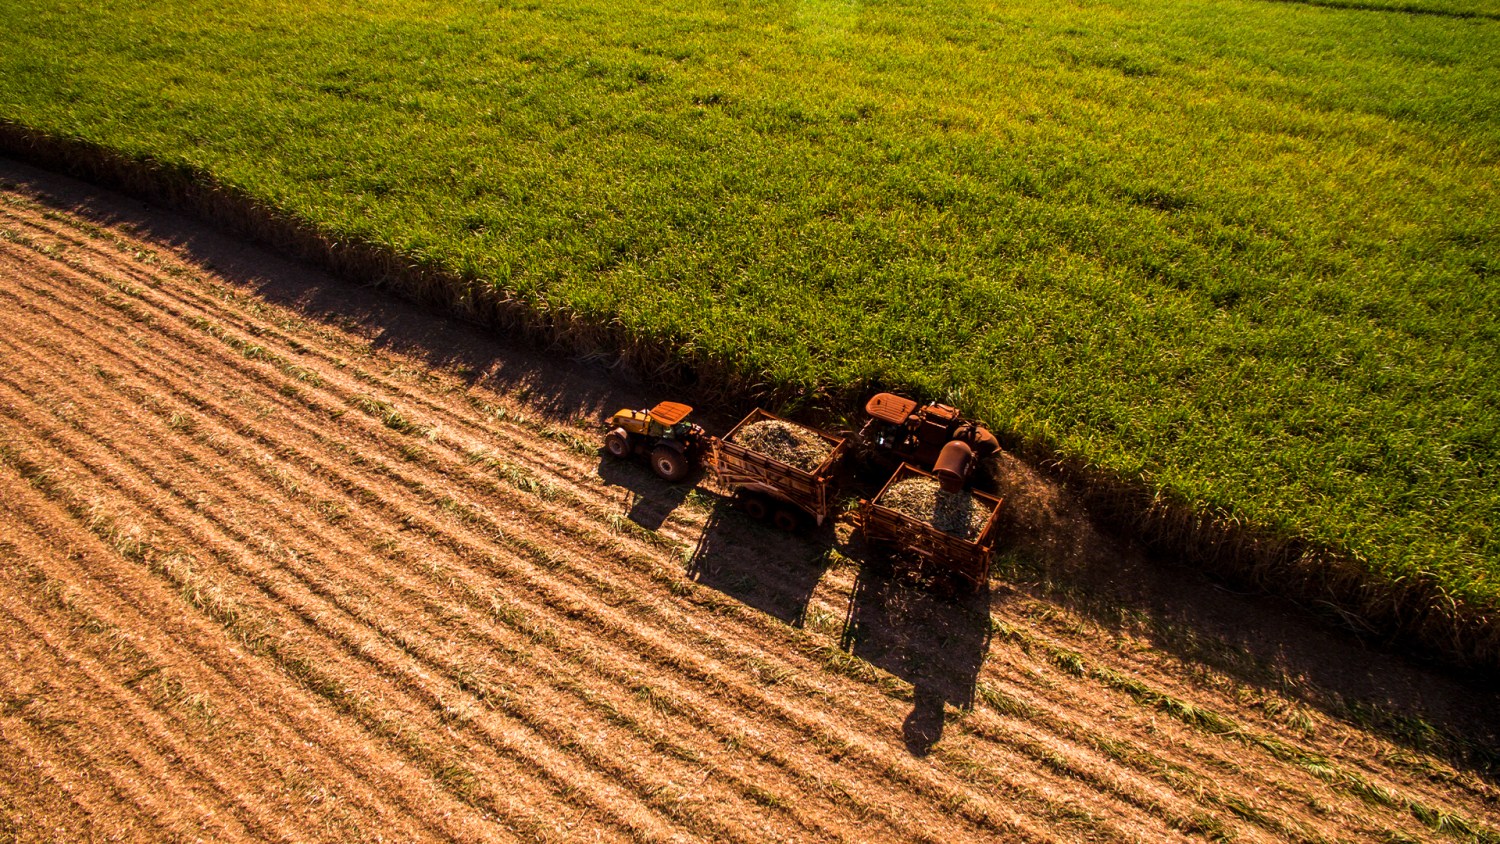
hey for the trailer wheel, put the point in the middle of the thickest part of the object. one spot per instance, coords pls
(947, 585)
(617, 443)
(878, 560)
(755, 507)
(670, 463)
(785, 519)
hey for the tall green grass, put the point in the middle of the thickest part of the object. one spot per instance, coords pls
(1240, 252)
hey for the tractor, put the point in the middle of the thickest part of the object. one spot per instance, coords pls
(674, 444)
(932, 437)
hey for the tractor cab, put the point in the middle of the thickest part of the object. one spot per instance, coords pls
(892, 421)
(671, 418)
(664, 420)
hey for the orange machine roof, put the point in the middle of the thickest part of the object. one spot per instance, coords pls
(890, 407)
(670, 412)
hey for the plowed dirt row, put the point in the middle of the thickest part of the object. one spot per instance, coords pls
(265, 578)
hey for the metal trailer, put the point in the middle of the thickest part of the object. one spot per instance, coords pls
(767, 487)
(941, 552)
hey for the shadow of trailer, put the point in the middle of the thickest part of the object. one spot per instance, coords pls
(768, 571)
(768, 488)
(923, 550)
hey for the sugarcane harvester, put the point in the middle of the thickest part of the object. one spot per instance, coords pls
(932, 437)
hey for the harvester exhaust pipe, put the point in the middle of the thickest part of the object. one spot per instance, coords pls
(954, 464)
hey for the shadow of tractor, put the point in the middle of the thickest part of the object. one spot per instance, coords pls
(758, 566)
(653, 499)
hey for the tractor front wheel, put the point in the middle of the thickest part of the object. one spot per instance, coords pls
(617, 443)
(671, 464)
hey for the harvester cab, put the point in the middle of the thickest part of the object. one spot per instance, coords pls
(663, 432)
(933, 436)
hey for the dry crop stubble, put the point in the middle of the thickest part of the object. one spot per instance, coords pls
(522, 661)
(273, 731)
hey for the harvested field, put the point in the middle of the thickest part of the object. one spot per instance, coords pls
(282, 559)
(957, 513)
(793, 445)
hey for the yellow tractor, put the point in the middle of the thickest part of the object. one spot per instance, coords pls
(674, 444)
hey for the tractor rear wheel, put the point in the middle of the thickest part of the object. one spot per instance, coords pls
(617, 443)
(671, 464)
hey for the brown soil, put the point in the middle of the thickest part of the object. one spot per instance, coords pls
(286, 559)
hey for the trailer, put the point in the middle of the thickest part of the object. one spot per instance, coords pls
(766, 487)
(934, 552)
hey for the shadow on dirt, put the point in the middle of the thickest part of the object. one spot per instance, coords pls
(1057, 550)
(934, 641)
(752, 563)
(758, 566)
(936, 644)
(652, 499)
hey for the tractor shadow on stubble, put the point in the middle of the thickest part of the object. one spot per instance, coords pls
(751, 563)
(653, 500)
(935, 642)
(757, 566)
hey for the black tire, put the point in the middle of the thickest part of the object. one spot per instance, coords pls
(617, 443)
(671, 464)
(787, 520)
(944, 585)
(755, 507)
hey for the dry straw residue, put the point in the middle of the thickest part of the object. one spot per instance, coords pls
(793, 445)
(956, 513)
